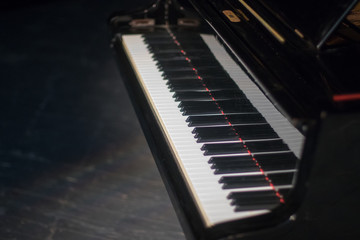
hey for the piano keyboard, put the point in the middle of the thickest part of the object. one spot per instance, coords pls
(237, 153)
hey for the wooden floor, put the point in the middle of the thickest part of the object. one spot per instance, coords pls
(74, 163)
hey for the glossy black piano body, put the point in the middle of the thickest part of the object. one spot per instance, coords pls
(296, 55)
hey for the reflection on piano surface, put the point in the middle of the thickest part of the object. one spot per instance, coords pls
(247, 118)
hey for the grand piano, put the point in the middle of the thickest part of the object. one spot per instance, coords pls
(252, 111)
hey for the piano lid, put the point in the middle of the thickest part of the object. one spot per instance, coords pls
(316, 20)
(289, 49)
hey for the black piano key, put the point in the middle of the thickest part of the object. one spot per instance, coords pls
(277, 179)
(208, 95)
(184, 74)
(222, 120)
(188, 43)
(163, 49)
(256, 200)
(214, 134)
(191, 85)
(208, 107)
(258, 206)
(230, 133)
(223, 148)
(185, 36)
(169, 71)
(191, 88)
(172, 64)
(193, 52)
(158, 40)
(179, 74)
(277, 161)
(253, 147)
(174, 57)
(247, 196)
(197, 58)
(206, 80)
(267, 162)
(192, 96)
(195, 111)
(161, 57)
(196, 54)
(196, 87)
(252, 118)
(189, 108)
(267, 146)
(231, 159)
(233, 182)
(223, 168)
(255, 132)
(197, 104)
(199, 121)
(233, 164)
(192, 45)
(182, 85)
(192, 77)
(177, 69)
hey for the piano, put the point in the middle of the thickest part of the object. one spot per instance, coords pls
(252, 111)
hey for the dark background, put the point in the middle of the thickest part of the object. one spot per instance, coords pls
(73, 160)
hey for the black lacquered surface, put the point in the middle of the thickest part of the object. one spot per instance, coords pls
(313, 18)
(73, 161)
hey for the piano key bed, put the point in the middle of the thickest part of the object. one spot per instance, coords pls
(237, 153)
